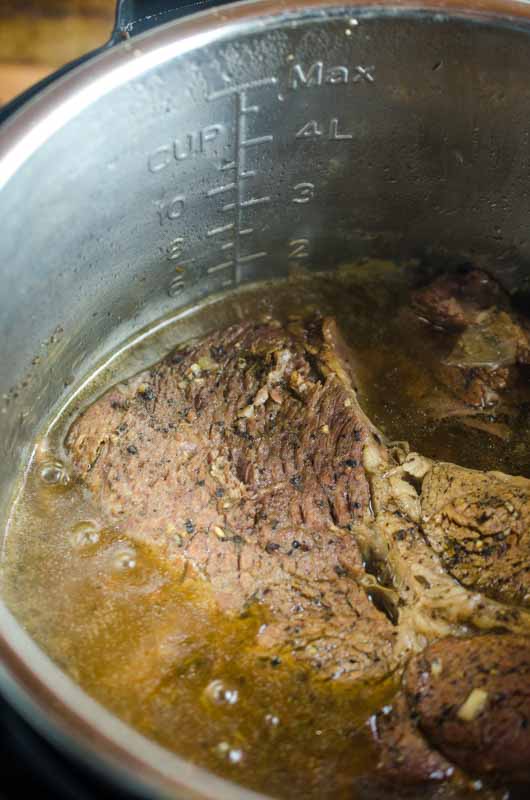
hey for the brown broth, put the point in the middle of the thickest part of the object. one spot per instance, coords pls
(158, 653)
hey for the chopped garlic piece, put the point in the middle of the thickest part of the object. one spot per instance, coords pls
(207, 363)
(405, 496)
(371, 458)
(474, 705)
(436, 667)
(219, 532)
(417, 465)
(261, 396)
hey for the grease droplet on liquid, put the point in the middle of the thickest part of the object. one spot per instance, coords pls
(125, 559)
(54, 473)
(85, 534)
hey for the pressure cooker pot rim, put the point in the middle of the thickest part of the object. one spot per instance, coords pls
(32, 683)
(32, 125)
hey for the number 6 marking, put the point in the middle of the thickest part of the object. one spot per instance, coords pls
(178, 283)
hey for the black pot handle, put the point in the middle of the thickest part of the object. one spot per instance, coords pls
(137, 16)
(132, 17)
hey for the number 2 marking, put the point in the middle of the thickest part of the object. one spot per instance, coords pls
(299, 248)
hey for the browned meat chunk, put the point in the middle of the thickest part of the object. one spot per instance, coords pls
(471, 698)
(464, 702)
(479, 524)
(483, 361)
(479, 387)
(457, 299)
(404, 754)
(241, 457)
(420, 523)
(491, 340)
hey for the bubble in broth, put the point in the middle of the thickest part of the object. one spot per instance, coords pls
(54, 473)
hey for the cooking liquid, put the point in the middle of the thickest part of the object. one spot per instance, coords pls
(160, 655)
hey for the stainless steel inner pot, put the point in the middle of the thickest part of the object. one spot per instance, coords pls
(236, 145)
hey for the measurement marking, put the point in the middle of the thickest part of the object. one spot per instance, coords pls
(256, 140)
(252, 257)
(219, 267)
(220, 189)
(255, 201)
(220, 229)
(176, 286)
(238, 203)
(240, 99)
(242, 87)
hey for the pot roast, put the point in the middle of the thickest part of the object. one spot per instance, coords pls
(246, 460)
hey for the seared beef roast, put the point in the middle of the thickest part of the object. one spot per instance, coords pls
(247, 459)
(240, 457)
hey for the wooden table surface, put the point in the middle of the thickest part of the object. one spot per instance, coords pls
(38, 36)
